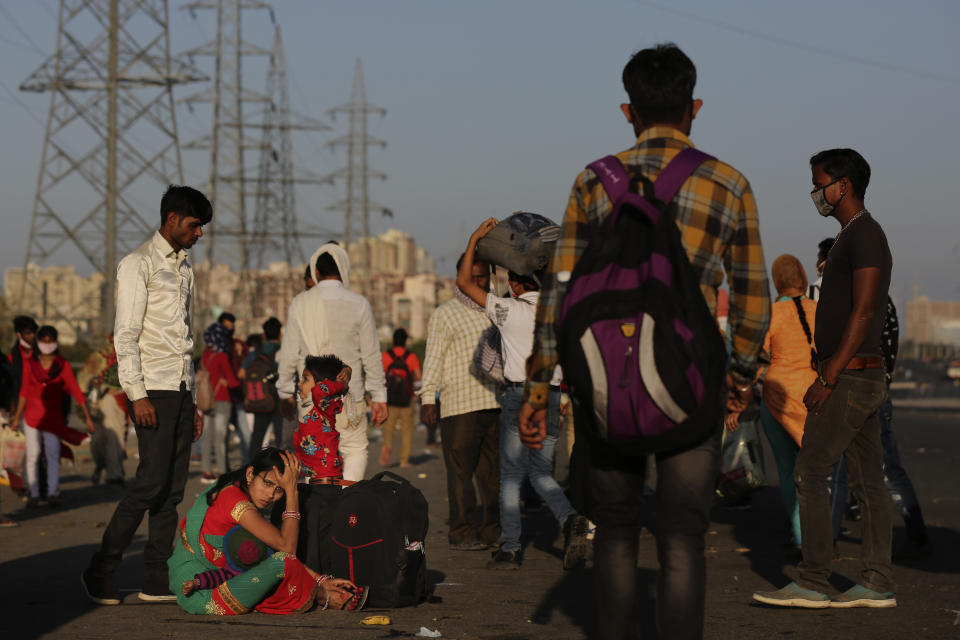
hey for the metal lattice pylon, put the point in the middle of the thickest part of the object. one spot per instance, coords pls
(276, 230)
(358, 172)
(111, 136)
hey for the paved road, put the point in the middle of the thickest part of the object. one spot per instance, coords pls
(40, 563)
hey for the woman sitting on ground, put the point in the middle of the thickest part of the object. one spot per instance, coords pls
(202, 574)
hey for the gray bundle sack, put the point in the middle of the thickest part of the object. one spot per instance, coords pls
(522, 243)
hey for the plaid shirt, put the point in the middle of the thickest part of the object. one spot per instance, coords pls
(453, 334)
(717, 217)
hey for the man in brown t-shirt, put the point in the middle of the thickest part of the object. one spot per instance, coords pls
(842, 403)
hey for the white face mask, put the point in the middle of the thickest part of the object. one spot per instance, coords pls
(47, 348)
(25, 344)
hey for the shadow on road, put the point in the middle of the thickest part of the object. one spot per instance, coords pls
(41, 593)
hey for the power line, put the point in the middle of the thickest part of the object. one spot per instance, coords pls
(16, 26)
(795, 44)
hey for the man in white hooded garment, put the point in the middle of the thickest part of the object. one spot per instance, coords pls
(331, 319)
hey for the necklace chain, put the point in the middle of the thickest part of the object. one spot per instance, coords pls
(844, 227)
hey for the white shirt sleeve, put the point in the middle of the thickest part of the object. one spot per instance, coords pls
(374, 378)
(288, 360)
(498, 309)
(132, 279)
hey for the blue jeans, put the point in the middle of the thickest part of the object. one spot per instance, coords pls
(894, 475)
(517, 461)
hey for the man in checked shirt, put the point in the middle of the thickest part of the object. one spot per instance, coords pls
(717, 217)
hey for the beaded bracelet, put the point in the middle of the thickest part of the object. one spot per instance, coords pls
(290, 514)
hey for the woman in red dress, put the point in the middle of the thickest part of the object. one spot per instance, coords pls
(47, 378)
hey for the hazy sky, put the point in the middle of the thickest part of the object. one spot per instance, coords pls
(495, 106)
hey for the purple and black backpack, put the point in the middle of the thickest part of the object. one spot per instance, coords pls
(640, 349)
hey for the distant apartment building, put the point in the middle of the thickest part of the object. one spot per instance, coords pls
(932, 321)
(401, 282)
(252, 299)
(56, 295)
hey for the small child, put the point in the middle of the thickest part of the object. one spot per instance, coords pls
(317, 441)
(317, 444)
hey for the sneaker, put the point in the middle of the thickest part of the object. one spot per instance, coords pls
(860, 596)
(469, 545)
(99, 590)
(505, 560)
(793, 595)
(575, 541)
(156, 590)
(207, 478)
(8, 523)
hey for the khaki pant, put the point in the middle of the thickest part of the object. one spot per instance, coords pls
(403, 415)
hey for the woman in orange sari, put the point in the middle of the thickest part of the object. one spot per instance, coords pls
(792, 370)
(202, 572)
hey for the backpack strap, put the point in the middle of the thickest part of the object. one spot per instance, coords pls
(613, 176)
(616, 181)
(676, 173)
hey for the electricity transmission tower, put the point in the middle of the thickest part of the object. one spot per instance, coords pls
(276, 230)
(357, 172)
(111, 135)
(238, 127)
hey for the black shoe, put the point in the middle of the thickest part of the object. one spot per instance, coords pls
(575, 541)
(156, 590)
(505, 560)
(53, 502)
(99, 590)
(33, 502)
(469, 545)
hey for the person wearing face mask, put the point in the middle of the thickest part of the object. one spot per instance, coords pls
(843, 402)
(47, 376)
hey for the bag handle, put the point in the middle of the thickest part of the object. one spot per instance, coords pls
(391, 475)
(806, 330)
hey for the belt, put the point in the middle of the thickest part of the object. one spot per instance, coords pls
(859, 364)
(520, 385)
(338, 482)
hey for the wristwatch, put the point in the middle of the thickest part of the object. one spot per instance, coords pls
(824, 382)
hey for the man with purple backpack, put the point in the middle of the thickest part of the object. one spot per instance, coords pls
(713, 207)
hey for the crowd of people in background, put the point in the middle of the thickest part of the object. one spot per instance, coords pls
(818, 358)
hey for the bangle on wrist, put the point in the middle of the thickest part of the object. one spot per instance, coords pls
(290, 514)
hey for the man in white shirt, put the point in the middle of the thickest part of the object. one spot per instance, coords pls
(331, 319)
(516, 317)
(153, 336)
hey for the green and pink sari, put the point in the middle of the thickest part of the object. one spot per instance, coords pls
(278, 584)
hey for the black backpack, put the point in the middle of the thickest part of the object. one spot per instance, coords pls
(377, 539)
(640, 350)
(399, 381)
(260, 385)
